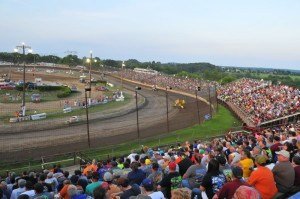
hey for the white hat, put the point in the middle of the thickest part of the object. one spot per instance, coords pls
(283, 153)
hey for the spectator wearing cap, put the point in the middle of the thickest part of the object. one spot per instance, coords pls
(52, 181)
(296, 165)
(284, 172)
(229, 188)
(184, 164)
(16, 192)
(95, 183)
(262, 179)
(136, 176)
(148, 189)
(194, 175)
(170, 181)
(112, 188)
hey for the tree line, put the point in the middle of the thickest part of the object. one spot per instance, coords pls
(201, 70)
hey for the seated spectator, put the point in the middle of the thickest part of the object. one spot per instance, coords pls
(229, 188)
(262, 179)
(95, 183)
(194, 175)
(29, 189)
(136, 176)
(99, 193)
(112, 188)
(148, 189)
(73, 193)
(51, 180)
(156, 175)
(284, 172)
(127, 189)
(275, 147)
(181, 193)
(16, 192)
(246, 192)
(212, 181)
(47, 187)
(170, 181)
(246, 163)
(296, 164)
(40, 192)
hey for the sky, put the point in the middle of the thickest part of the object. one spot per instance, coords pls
(252, 33)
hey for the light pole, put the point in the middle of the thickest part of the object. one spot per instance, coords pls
(23, 48)
(87, 115)
(123, 65)
(167, 106)
(197, 101)
(90, 60)
(137, 113)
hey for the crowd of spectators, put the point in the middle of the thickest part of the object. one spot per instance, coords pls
(261, 100)
(262, 164)
(163, 80)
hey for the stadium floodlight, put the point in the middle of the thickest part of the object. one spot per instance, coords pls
(197, 102)
(87, 89)
(137, 112)
(23, 48)
(90, 61)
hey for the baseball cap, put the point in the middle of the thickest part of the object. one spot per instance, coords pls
(108, 177)
(147, 161)
(50, 175)
(147, 183)
(201, 151)
(172, 166)
(283, 153)
(260, 159)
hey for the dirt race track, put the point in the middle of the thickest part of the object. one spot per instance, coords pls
(152, 122)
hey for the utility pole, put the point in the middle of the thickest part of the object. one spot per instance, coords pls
(23, 47)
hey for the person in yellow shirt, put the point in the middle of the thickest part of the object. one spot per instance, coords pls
(246, 163)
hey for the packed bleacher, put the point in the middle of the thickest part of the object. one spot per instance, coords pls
(261, 100)
(259, 164)
(163, 80)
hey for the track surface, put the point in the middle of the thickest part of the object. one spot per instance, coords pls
(152, 122)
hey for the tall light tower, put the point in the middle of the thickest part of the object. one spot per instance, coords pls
(23, 47)
(122, 69)
(90, 60)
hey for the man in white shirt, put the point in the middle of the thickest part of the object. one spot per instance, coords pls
(16, 192)
(29, 190)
